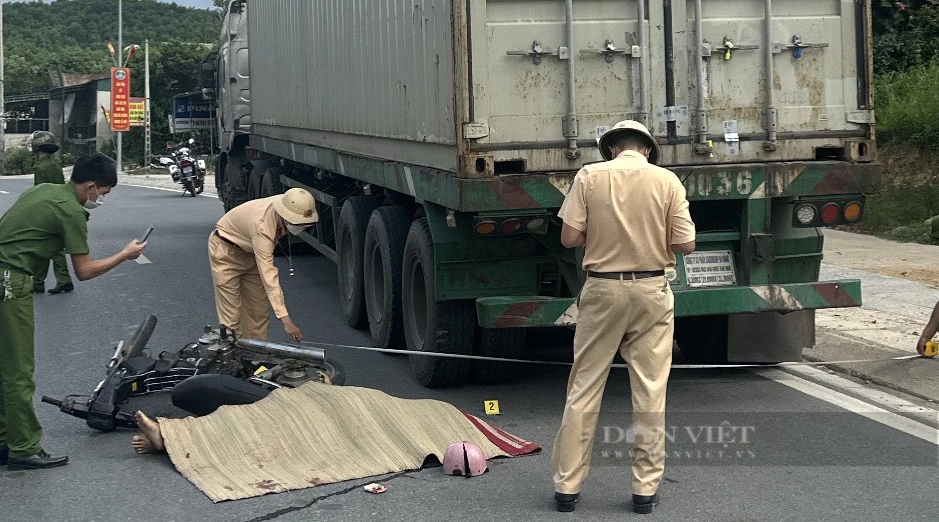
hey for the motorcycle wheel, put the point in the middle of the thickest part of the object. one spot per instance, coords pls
(188, 185)
(200, 186)
(330, 369)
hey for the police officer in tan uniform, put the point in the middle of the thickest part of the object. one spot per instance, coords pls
(630, 216)
(241, 255)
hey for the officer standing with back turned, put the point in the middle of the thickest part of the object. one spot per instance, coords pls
(45, 221)
(48, 170)
(630, 216)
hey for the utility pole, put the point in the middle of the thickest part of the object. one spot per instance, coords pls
(2, 104)
(146, 94)
(120, 60)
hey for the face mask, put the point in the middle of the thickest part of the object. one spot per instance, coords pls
(97, 202)
(296, 229)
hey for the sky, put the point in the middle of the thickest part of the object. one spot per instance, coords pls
(205, 4)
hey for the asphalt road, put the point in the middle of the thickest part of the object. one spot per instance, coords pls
(800, 457)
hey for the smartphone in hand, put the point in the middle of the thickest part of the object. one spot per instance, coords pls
(146, 234)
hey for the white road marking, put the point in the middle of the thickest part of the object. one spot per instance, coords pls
(142, 260)
(164, 189)
(3, 192)
(862, 408)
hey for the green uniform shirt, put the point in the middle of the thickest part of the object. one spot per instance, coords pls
(43, 222)
(48, 170)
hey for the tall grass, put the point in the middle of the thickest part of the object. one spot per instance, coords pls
(907, 106)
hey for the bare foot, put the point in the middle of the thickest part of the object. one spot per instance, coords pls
(142, 445)
(150, 429)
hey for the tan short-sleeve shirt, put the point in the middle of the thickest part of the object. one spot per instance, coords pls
(255, 227)
(632, 212)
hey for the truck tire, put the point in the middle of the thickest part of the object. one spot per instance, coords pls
(702, 340)
(384, 250)
(350, 244)
(431, 325)
(270, 183)
(507, 343)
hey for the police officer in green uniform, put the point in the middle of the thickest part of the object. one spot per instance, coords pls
(46, 220)
(48, 170)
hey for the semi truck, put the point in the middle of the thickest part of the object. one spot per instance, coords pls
(440, 137)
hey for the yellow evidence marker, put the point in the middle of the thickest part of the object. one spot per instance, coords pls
(491, 407)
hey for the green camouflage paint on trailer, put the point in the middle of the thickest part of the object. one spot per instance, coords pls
(547, 190)
(535, 311)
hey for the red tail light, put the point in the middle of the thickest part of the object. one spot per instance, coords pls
(831, 212)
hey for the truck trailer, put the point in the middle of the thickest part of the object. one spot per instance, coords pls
(439, 138)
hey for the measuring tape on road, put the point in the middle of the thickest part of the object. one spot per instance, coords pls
(618, 365)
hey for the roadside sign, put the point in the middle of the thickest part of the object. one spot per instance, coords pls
(192, 112)
(120, 99)
(137, 113)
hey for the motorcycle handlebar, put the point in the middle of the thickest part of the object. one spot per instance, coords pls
(50, 400)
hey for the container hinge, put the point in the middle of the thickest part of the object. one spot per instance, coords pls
(609, 51)
(570, 126)
(474, 131)
(796, 46)
(864, 117)
(537, 51)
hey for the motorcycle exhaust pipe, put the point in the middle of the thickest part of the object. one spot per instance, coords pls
(310, 355)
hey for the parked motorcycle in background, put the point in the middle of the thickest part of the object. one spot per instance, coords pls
(187, 170)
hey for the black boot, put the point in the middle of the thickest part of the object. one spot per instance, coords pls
(62, 288)
(4, 455)
(643, 504)
(39, 289)
(565, 501)
(41, 460)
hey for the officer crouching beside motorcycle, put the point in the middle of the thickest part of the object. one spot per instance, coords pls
(46, 220)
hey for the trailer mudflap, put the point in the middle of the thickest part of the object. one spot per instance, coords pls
(536, 311)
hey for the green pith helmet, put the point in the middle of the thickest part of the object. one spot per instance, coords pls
(43, 141)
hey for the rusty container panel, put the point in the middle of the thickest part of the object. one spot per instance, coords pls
(483, 87)
(367, 77)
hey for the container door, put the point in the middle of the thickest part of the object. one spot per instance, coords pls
(520, 56)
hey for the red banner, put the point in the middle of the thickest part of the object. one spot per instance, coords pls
(120, 99)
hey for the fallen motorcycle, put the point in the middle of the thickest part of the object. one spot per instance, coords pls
(248, 369)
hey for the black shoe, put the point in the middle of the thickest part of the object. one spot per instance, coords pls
(41, 460)
(4, 455)
(565, 501)
(62, 288)
(643, 504)
(39, 289)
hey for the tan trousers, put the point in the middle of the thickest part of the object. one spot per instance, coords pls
(240, 299)
(636, 318)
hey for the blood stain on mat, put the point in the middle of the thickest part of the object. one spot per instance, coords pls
(266, 484)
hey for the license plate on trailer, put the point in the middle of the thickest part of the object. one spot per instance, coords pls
(710, 268)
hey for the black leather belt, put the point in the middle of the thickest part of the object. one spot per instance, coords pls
(626, 275)
(229, 241)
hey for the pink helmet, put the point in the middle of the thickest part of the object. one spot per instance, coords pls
(464, 458)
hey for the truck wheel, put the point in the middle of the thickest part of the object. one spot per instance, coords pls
(270, 183)
(507, 343)
(350, 243)
(431, 325)
(384, 250)
(702, 340)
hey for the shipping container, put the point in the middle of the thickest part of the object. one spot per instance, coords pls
(455, 127)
